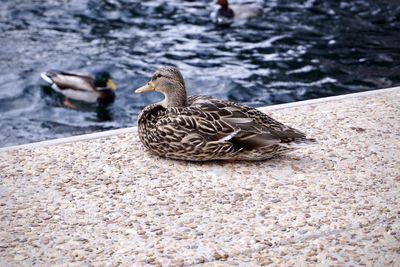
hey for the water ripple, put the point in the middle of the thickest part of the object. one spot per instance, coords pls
(297, 50)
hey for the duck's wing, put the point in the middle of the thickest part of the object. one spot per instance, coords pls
(69, 81)
(243, 125)
(243, 12)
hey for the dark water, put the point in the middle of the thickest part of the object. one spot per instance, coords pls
(297, 50)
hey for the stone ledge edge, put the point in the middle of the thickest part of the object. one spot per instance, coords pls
(133, 129)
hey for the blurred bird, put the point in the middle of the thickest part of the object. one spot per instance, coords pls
(98, 89)
(226, 13)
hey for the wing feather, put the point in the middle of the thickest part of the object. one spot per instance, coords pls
(256, 127)
(75, 81)
(221, 122)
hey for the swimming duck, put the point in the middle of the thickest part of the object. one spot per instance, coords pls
(201, 128)
(226, 13)
(98, 89)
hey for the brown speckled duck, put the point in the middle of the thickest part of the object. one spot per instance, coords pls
(201, 128)
(226, 13)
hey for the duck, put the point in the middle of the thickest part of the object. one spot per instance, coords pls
(203, 128)
(226, 14)
(98, 88)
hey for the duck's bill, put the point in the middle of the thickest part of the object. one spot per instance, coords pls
(149, 87)
(111, 85)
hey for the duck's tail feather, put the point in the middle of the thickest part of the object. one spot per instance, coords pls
(46, 76)
(300, 142)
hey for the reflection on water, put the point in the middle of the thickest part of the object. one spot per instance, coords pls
(297, 50)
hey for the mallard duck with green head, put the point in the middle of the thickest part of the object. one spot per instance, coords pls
(201, 128)
(97, 89)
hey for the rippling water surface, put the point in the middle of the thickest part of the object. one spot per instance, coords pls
(297, 50)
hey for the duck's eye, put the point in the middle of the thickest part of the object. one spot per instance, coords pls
(157, 76)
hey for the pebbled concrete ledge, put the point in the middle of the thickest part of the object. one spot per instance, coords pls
(106, 202)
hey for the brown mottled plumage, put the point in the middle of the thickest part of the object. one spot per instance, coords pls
(200, 128)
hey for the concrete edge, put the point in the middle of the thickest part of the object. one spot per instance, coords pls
(329, 98)
(133, 129)
(70, 139)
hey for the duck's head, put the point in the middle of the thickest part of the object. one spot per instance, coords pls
(223, 3)
(168, 81)
(103, 79)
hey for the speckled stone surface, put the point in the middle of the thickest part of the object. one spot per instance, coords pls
(106, 202)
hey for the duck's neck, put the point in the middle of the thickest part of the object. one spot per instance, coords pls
(178, 98)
